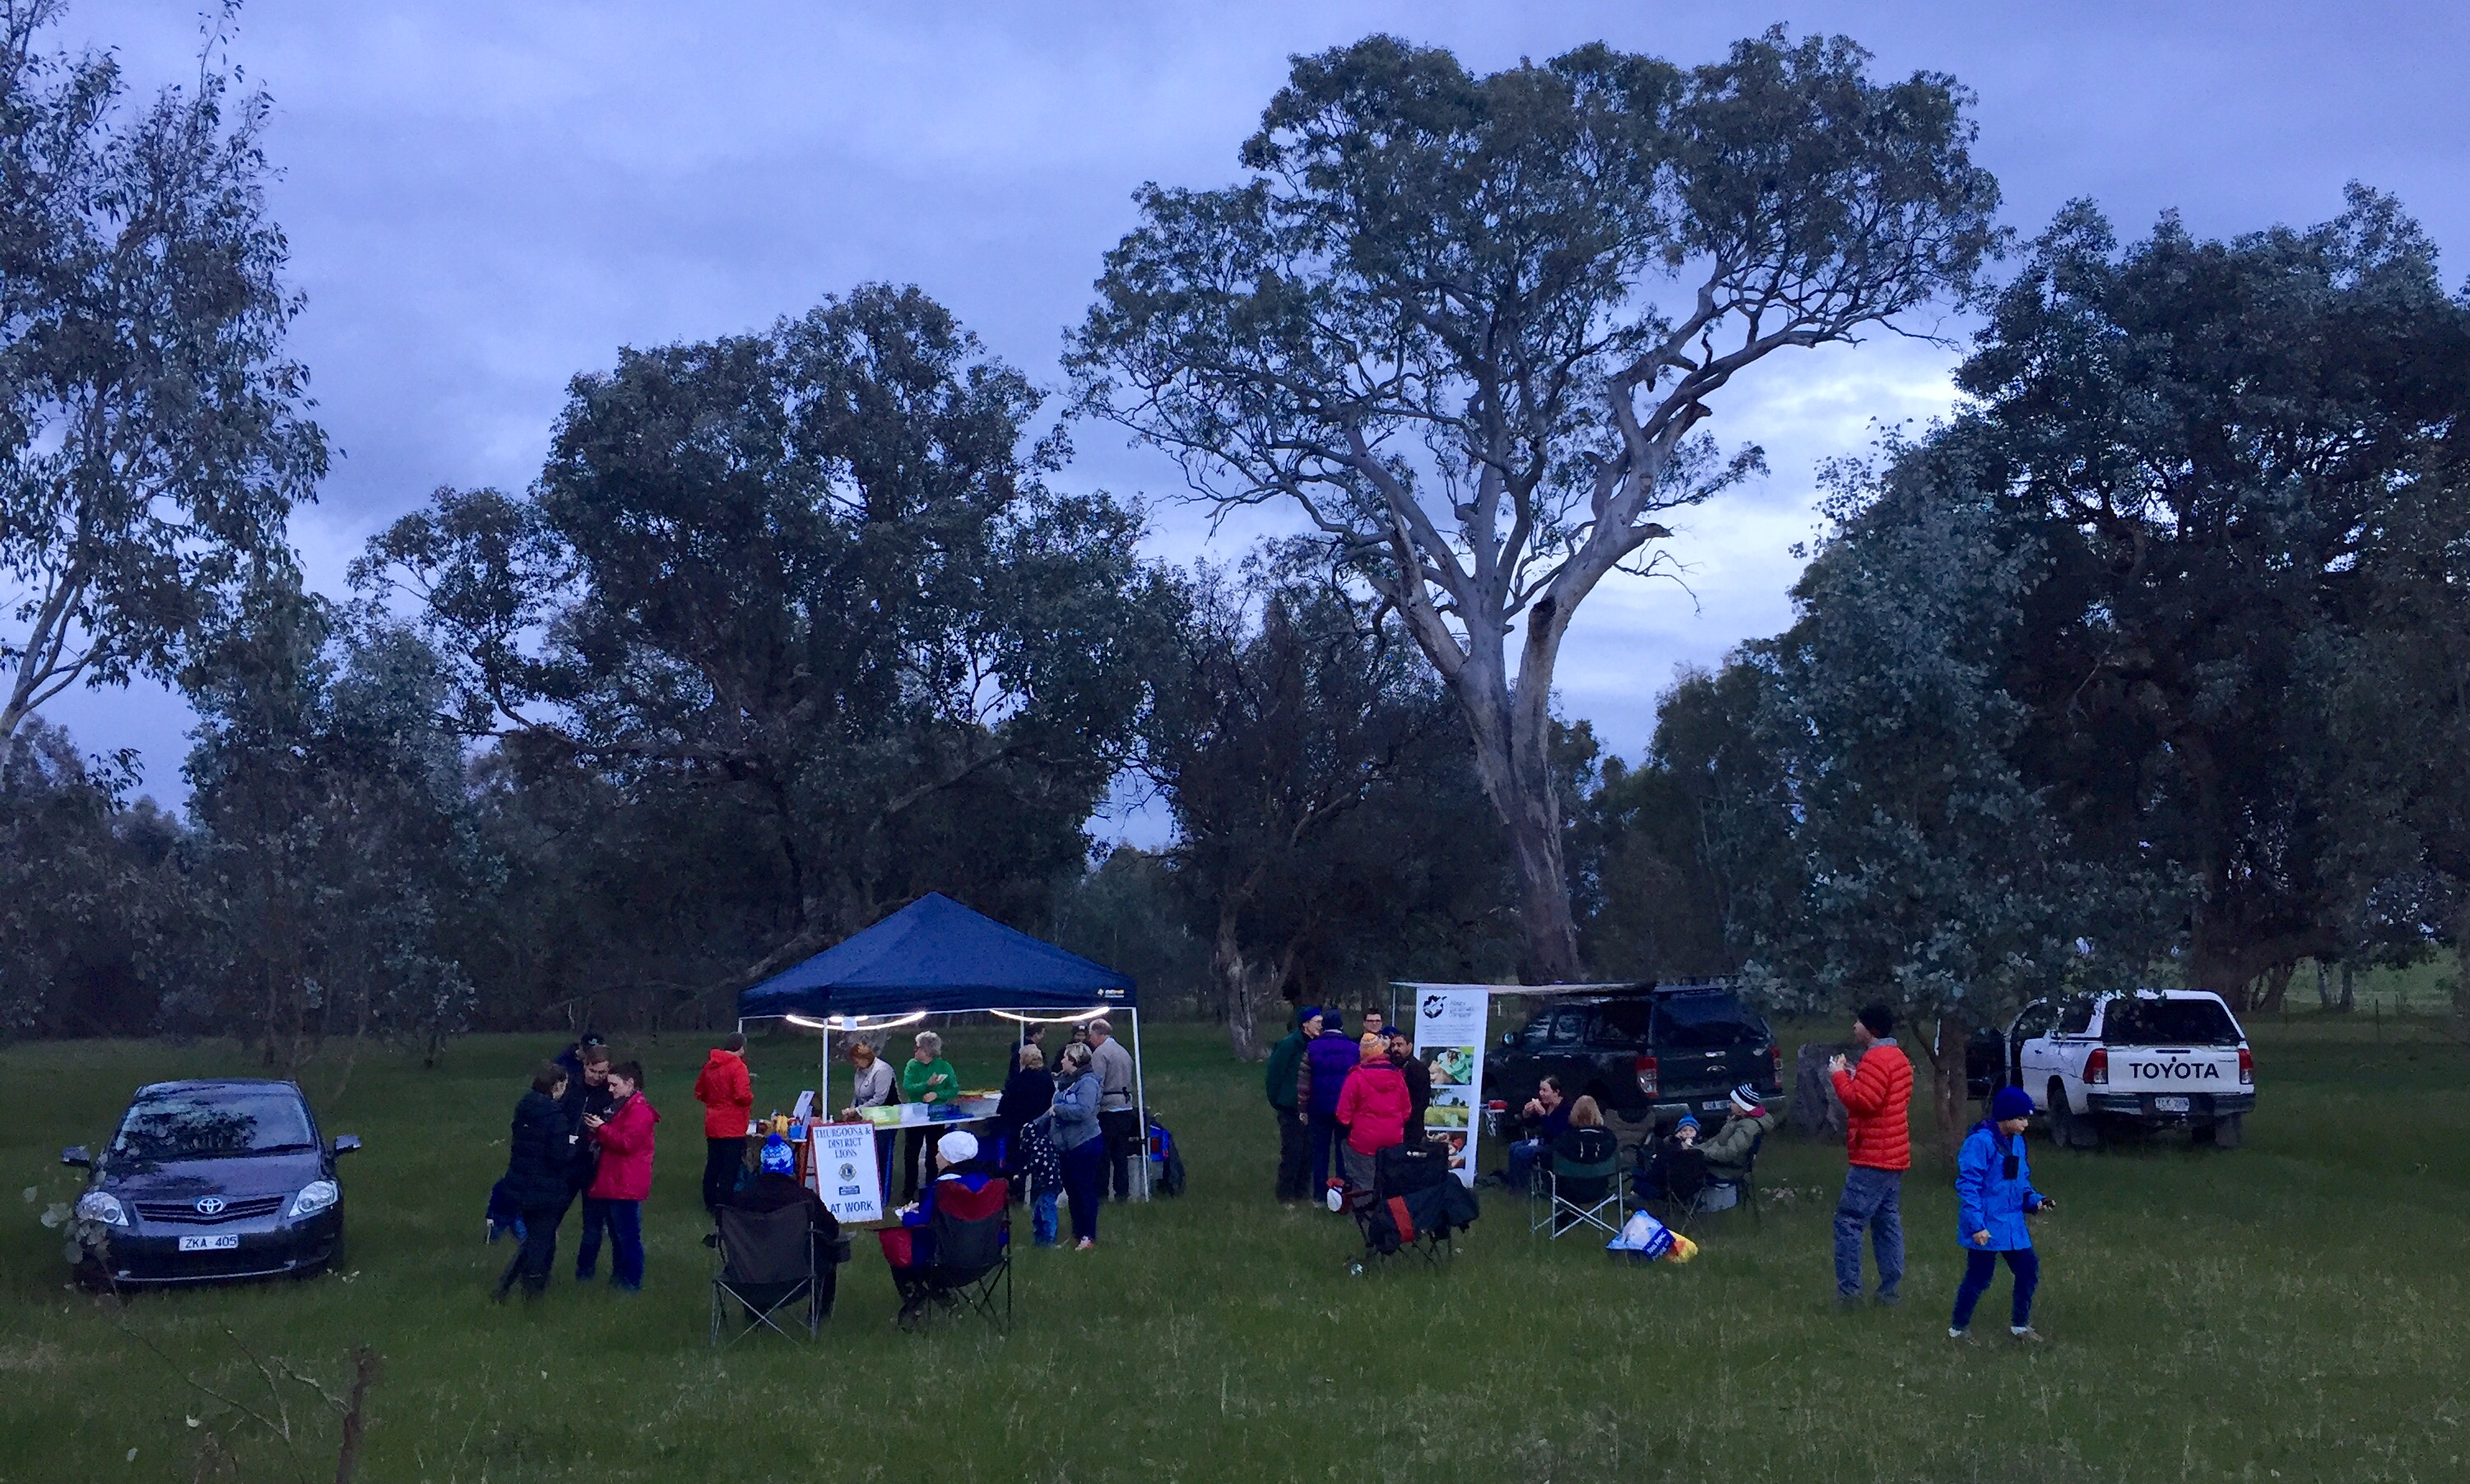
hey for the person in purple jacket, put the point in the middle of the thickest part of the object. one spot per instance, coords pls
(1328, 1057)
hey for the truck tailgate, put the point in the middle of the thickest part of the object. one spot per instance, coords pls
(2173, 1069)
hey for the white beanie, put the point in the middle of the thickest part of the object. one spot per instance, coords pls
(959, 1146)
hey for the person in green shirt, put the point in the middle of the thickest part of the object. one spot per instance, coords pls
(926, 1078)
(1295, 1136)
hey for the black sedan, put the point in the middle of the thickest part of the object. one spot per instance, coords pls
(228, 1179)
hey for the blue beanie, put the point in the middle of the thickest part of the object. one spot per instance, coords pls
(1688, 1121)
(776, 1158)
(2009, 1103)
(1304, 1012)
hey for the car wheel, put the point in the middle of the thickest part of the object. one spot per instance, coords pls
(2061, 1121)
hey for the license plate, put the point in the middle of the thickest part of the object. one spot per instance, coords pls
(1716, 1106)
(2170, 1104)
(224, 1243)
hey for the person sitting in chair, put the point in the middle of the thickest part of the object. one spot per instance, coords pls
(776, 1187)
(1728, 1153)
(910, 1247)
(1586, 1141)
(1550, 1116)
(1676, 1167)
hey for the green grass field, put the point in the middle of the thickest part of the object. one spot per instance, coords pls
(2291, 1311)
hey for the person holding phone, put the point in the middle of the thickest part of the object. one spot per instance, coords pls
(623, 1183)
(1994, 1194)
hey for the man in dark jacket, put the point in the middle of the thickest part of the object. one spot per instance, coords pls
(537, 1162)
(1419, 1084)
(1279, 1084)
(586, 1097)
(1327, 1059)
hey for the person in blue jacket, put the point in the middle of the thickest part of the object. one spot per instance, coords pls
(1993, 1193)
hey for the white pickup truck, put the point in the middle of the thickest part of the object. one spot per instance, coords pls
(2155, 1059)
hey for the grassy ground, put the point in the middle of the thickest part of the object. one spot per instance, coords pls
(2291, 1310)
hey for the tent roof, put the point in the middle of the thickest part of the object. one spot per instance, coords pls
(935, 955)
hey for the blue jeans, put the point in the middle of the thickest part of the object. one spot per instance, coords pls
(1873, 1200)
(1041, 1219)
(1978, 1268)
(1523, 1155)
(623, 1220)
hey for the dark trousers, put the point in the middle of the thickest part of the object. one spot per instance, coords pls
(624, 1221)
(1294, 1154)
(723, 1160)
(1978, 1268)
(533, 1260)
(1121, 1128)
(884, 1140)
(1324, 1140)
(1084, 1184)
(913, 1151)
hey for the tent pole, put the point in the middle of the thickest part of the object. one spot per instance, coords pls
(824, 1079)
(1141, 1101)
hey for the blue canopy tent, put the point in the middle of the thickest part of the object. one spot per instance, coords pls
(938, 956)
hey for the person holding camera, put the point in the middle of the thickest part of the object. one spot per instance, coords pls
(1877, 1150)
(623, 1183)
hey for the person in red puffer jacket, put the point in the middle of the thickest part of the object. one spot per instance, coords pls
(615, 1203)
(1373, 1107)
(1878, 1147)
(727, 1097)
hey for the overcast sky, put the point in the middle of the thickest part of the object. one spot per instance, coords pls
(484, 199)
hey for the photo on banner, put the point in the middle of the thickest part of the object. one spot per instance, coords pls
(1449, 1038)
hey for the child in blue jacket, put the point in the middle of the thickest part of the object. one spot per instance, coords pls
(1993, 1193)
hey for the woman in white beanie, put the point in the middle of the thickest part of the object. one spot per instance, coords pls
(910, 1247)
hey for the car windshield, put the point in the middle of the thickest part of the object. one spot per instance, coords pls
(1704, 1020)
(2143, 1022)
(214, 1122)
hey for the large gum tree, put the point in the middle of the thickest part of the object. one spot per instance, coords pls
(1469, 327)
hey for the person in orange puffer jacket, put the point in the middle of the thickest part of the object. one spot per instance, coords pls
(727, 1097)
(1879, 1148)
(1373, 1107)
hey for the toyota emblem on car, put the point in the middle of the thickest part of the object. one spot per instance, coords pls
(210, 1205)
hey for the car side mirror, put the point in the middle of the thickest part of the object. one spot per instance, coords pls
(345, 1144)
(75, 1155)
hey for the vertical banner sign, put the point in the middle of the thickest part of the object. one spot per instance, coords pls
(1449, 1038)
(844, 1166)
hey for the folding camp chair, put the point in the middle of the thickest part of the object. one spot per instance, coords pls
(768, 1262)
(971, 1267)
(1415, 1204)
(1744, 1192)
(1580, 1182)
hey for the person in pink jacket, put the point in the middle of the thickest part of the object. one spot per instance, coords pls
(615, 1203)
(1373, 1107)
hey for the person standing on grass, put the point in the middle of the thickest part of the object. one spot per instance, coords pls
(1994, 1194)
(1071, 1125)
(1026, 1093)
(623, 1183)
(587, 1095)
(926, 1078)
(1030, 1036)
(871, 1085)
(1117, 1115)
(727, 1094)
(1279, 1086)
(1373, 1107)
(539, 1173)
(1418, 1077)
(1327, 1060)
(1877, 1151)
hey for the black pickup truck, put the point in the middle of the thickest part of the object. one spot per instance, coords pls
(1666, 1049)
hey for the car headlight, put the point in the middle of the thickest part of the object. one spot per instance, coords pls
(316, 1196)
(96, 1206)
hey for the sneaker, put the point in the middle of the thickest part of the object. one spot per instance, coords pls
(1085, 1245)
(2027, 1336)
(1890, 1300)
(1956, 1335)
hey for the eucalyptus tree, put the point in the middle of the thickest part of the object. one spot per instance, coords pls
(816, 572)
(1471, 327)
(153, 436)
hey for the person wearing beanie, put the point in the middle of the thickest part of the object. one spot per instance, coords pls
(776, 1187)
(1727, 1151)
(1328, 1061)
(1279, 1084)
(1373, 1107)
(1994, 1194)
(1877, 1151)
(910, 1249)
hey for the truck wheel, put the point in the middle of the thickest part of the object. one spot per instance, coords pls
(2060, 1134)
(2225, 1133)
